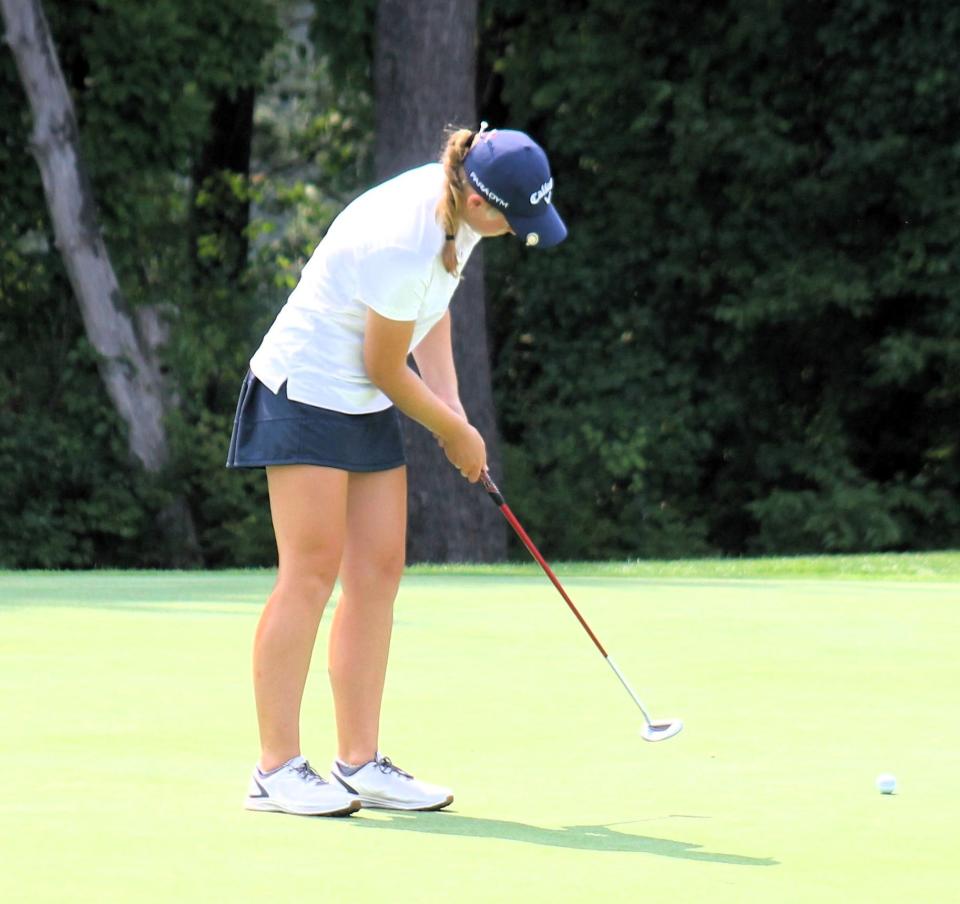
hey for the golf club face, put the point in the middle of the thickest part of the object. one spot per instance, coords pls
(660, 731)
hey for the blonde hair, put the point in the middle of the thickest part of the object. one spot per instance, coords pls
(459, 142)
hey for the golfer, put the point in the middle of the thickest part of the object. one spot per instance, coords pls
(318, 410)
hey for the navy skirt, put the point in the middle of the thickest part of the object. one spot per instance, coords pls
(272, 430)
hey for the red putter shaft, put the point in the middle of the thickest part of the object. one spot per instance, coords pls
(654, 731)
(497, 497)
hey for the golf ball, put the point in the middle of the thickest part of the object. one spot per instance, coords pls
(886, 783)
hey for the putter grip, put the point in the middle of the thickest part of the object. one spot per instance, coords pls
(491, 488)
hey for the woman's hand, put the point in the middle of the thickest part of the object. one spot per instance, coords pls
(466, 450)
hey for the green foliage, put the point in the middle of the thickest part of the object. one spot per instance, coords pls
(344, 35)
(70, 498)
(145, 79)
(750, 344)
(761, 285)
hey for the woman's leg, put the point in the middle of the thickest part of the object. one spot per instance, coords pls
(373, 560)
(309, 508)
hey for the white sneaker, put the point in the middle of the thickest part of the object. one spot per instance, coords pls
(381, 784)
(295, 788)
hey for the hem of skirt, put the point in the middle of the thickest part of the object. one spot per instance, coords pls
(338, 465)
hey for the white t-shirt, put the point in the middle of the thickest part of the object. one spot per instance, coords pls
(382, 252)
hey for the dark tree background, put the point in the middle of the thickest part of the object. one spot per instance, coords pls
(750, 343)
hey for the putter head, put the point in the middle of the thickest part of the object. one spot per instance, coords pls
(660, 731)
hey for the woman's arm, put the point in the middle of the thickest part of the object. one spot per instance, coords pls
(434, 357)
(385, 347)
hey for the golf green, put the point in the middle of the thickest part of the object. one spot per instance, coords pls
(129, 734)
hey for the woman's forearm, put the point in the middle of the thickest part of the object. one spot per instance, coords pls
(434, 357)
(415, 399)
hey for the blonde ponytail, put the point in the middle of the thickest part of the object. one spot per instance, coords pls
(459, 142)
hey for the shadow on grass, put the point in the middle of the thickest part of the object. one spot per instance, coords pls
(580, 838)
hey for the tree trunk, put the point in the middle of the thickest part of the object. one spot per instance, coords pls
(425, 74)
(127, 363)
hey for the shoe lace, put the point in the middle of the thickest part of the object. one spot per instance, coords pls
(386, 766)
(308, 774)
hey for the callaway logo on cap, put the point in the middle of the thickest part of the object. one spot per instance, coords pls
(512, 172)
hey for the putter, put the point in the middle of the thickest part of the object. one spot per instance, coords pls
(652, 731)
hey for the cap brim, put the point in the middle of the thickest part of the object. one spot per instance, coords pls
(543, 231)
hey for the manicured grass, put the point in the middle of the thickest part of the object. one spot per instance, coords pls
(129, 735)
(934, 566)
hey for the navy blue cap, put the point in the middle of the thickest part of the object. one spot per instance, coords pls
(511, 171)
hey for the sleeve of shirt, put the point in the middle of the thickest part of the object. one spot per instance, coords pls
(391, 281)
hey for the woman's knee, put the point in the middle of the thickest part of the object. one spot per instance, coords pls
(309, 579)
(377, 573)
